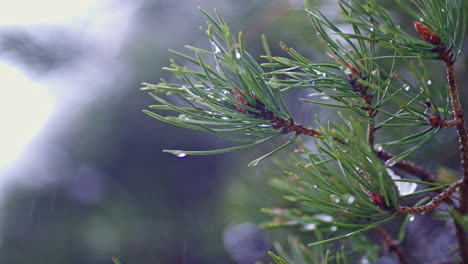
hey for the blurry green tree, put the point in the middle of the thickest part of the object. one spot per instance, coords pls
(345, 184)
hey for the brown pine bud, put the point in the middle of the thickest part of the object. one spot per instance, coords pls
(426, 34)
(378, 200)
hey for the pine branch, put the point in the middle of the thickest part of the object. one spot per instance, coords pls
(434, 203)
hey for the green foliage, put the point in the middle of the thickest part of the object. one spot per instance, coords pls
(341, 187)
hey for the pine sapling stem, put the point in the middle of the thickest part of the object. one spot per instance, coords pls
(463, 140)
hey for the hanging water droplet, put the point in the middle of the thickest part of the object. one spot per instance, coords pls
(442, 10)
(378, 147)
(429, 82)
(350, 199)
(421, 19)
(315, 186)
(225, 118)
(391, 41)
(184, 118)
(406, 87)
(215, 48)
(390, 163)
(333, 228)
(238, 54)
(365, 261)
(180, 154)
(309, 226)
(411, 219)
(325, 97)
(371, 29)
(324, 218)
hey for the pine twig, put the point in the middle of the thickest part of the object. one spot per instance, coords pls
(434, 203)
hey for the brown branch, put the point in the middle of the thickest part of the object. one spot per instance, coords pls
(434, 203)
(388, 243)
(446, 56)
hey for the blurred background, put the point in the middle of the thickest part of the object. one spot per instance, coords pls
(82, 173)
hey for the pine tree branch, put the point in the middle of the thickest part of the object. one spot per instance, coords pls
(434, 203)
(388, 243)
(446, 55)
(463, 139)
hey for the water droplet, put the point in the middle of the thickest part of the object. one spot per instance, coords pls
(225, 118)
(180, 154)
(378, 147)
(309, 226)
(411, 219)
(322, 74)
(371, 29)
(391, 41)
(350, 199)
(335, 199)
(365, 261)
(429, 82)
(421, 19)
(442, 10)
(406, 87)
(315, 186)
(390, 163)
(238, 54)
(324, 218)
(313, 83)
(184, 118)
(333, 228)
(215, 48)
(325, 97)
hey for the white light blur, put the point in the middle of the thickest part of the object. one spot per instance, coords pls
(26, 12)
(25, 106)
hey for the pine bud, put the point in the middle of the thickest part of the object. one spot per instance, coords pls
(426, 34)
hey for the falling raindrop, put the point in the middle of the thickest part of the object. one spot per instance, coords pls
(215, 48)
(429, 82)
